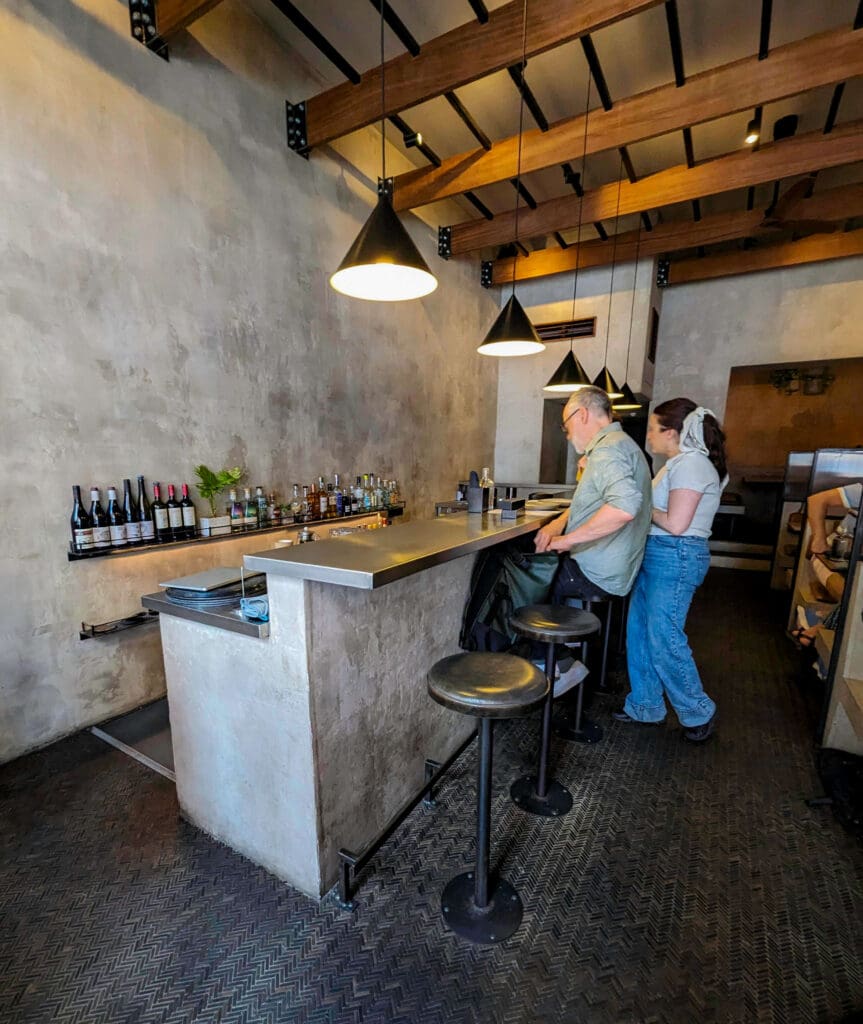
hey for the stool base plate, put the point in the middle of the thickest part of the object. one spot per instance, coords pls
(487, 926)
(556, 802)
(589, 732)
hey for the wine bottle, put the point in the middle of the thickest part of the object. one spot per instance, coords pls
(263, 509)
(81, 523)
(340, 497)
(116, 520)
(130, 510)
(189, 515)
(159, 509)
(296, 505)
(145, 514)
(250, 509)
(101, 529)
(175, 515)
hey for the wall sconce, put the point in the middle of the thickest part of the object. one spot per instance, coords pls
(807, 382)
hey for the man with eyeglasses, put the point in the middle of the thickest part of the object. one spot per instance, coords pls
(605, 530)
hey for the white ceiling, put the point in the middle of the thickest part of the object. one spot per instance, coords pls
(635, 56)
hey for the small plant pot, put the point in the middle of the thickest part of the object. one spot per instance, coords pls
(215, 526)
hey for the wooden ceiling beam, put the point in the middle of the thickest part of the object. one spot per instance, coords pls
(836, 204)
(770, 257)
(800, 155)
(457, 57)
(809, 63)
(174, 15)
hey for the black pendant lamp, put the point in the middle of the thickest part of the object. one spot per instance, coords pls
(512, 333)
(604, 378)
(571, 376)
(383, 264)
(628, 402)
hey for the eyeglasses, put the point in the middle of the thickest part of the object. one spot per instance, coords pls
(563, 429)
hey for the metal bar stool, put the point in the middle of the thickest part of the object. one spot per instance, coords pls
(486, 686)
(549, 624)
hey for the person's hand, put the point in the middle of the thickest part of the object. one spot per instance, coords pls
(560, 545)
(547, 534)
(818, 547)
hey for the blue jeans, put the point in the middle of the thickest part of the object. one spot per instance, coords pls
(658, 654)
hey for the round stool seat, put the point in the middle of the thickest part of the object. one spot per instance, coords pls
(487, 685)
(554, 623)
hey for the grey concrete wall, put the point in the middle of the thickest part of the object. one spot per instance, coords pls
(521, 380)
(806, 312)
(164, 301)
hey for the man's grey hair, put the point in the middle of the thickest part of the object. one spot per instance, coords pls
(594, 399)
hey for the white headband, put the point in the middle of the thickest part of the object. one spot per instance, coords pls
(692, 431)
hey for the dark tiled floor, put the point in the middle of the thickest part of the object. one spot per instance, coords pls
(687, 885)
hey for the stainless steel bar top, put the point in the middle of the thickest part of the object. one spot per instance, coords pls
(372, 558)
(230, 620)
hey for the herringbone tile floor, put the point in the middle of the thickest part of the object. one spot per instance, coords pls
(687, 885)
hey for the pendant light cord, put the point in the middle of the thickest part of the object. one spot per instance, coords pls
(383, 104)
(520, 132)
(580, 201)
(613, 256)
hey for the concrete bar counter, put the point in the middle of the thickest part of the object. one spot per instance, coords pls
(291, 746)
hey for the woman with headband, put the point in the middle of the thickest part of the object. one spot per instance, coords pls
(686, 494)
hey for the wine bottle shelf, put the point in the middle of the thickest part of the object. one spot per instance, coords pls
(143, 549)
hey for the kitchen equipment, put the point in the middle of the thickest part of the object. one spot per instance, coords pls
(842, 543)
(211, 579)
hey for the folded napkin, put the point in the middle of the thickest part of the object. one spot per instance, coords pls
(256, 608)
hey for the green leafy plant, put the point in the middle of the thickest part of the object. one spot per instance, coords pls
(211, 484)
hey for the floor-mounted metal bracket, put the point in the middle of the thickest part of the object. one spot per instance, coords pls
(663, 265)
(297, 135)
(444, 243)
(486, 272)
(142, 22)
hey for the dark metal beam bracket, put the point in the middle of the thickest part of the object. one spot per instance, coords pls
(486, 272)
(142, 24)
(663, 265)
(444, 242)
(297, 134)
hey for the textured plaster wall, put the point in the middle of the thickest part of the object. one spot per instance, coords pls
(799, 313)
(521, 380)
(164, 301)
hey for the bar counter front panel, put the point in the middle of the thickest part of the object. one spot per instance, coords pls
(290, 747)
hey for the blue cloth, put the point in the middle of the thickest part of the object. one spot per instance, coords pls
(255, 608)
(658, 654)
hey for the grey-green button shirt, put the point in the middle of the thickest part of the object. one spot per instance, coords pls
(616, 474)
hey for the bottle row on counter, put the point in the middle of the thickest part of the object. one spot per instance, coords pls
(137, 521)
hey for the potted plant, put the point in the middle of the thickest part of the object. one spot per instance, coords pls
(210, 485)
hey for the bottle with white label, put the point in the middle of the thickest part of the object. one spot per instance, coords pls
(189, 516)
(145, 514)
(81, 523)
(160, 516)
(175, 516)
(101, 527)
(130, 509)
(116, 520)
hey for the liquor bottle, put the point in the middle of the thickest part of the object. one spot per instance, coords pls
(175, 516)
(367, 494)
(101, 527)
(274, 510)
(250, 509)
(385, 493)
(81, 523)
(340, 496)
(332, 507)
(323, 500)
(190, 517)
(358, 495)
(297, 505)
(159, 509)
(237, 513)
(305, 506)
(145, 514)
(130, 510)
(263, 508)
(395, 494)
(378, 493)
(116, 520)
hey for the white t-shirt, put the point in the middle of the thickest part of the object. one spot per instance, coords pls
(689, 471)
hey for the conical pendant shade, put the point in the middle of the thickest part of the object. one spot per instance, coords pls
(383, 264)
(569, 376)
(608, 384)
(627, 402)
(512, 333)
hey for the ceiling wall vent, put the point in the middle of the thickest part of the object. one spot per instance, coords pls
(563, 330)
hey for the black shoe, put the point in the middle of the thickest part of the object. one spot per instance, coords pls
(700, 733)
